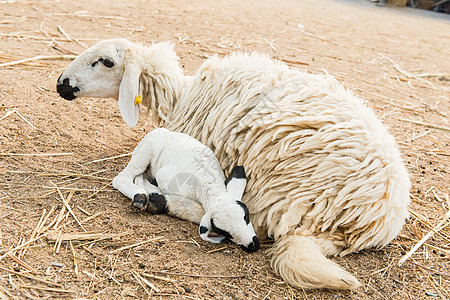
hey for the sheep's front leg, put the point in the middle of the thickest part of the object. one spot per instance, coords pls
(131, 181)
(148, 201)
(134, 187)
(124, 182)
(155, 202)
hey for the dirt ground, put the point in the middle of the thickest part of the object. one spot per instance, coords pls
(57, 158)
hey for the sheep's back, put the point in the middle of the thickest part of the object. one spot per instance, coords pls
(318, 160)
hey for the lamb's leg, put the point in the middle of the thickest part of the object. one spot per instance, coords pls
(184, 208)
(174, 205)
(173, 200)
(125, 181)
(141, 200)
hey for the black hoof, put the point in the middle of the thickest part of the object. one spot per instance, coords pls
(158, 204)
(140, 201)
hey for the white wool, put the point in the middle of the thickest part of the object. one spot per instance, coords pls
(305, 135)
(321, 167)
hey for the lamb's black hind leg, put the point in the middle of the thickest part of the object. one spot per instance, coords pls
(157, 204)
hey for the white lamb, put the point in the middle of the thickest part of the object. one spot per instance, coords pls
(324, 175)
(171, 172)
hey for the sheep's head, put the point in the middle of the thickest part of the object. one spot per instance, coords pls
(228, 218)
(113, 68)
(97, 72)
(107, 70)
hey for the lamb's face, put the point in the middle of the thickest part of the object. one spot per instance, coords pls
(97, 72)
(230, 222)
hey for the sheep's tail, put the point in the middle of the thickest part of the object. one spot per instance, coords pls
(301, 263)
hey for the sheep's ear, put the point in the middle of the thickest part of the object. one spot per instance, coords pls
(129, 90)
(236, 182)
(205, 231)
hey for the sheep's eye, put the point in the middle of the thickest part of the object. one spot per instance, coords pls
(108, 63)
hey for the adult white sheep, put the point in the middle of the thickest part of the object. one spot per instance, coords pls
(171, 172)
(324, 175)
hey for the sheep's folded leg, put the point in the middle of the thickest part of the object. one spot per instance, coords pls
(125, 183)
(132, 181)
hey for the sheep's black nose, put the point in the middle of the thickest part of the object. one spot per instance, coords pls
(65, 90)
(253, 246)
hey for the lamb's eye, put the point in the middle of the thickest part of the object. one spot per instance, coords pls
(94, 64)
(246, 212)
(107, 62)
(220, 231)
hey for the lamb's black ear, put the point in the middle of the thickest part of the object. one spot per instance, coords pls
(238, 172)
(236, 182)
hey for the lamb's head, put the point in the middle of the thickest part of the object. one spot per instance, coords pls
(227, 218)
(229, 222)
(97, 72)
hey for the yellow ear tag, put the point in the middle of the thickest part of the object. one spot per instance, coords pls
(137, 100)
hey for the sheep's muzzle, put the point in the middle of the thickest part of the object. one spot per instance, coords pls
(65, 90)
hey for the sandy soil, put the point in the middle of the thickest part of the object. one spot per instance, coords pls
(372, 50)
